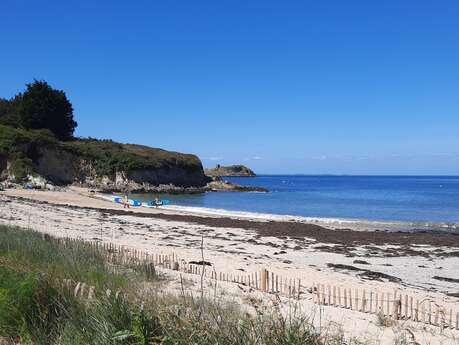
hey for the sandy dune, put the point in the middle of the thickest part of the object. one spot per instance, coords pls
(234, 249)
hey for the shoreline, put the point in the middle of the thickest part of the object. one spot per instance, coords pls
(330, 222)
(334, 222)
(412, 263)
(340, 234)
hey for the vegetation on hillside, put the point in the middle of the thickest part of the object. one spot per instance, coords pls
(21, 147)
(36, 309)
(109, 156)
(42, 117)
(231, 170)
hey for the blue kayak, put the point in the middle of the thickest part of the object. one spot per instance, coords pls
(131, 202)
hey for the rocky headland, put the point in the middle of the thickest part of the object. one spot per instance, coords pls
(40, 160)
(38, 149)
(231, 170)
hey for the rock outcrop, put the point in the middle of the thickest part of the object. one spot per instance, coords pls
(98, 164)
(37, 158)
(225, 186)
(231, 170)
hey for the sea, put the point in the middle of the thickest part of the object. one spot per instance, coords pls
(398, 203)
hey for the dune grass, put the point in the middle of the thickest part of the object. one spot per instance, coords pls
(25, 250)
(34, 309)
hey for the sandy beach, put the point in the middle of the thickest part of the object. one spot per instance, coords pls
(422, 264)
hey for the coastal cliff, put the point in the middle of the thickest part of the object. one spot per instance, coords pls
(38, 158)
(101, 164)
(231, 170)
(38, 148)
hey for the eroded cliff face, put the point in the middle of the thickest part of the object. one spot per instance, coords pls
(58, 166)
(177, 176)
(172, 180)
(62, 167)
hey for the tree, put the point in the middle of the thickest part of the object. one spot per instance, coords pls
(8, 114)
(4, 108)
(41, 106)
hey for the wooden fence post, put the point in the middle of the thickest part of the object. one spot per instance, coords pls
(263, 275)
(357, 299)
(334, 295)
(350, 298)
(91, 292)
(364, 301)
(411, 308)
(430, 313)
(339, 297)
(77, 289)
(388, 303)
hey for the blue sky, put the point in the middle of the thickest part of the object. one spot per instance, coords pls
(315, 87)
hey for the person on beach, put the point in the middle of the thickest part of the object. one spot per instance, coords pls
(125, 201)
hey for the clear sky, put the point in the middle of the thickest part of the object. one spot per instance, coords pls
(315, 87)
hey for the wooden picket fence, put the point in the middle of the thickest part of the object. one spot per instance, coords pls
(263, 280)
(396, 305)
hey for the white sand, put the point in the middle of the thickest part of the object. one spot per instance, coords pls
(229, 251)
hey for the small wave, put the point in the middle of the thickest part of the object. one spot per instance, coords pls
(334, 223)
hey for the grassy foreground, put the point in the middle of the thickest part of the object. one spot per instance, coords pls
(36, 309)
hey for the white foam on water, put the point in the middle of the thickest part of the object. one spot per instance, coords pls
(335, 223)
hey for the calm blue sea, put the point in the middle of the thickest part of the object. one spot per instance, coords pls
(377, 198)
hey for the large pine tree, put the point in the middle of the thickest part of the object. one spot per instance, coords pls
(41, 106)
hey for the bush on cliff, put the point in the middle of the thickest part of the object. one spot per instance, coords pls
(109, 157)
(22, 148)
(8, 114)
(41, 106)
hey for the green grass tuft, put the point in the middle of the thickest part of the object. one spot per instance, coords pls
(36, 309)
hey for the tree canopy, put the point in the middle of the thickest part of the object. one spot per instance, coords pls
(8, 115)
(39, 107)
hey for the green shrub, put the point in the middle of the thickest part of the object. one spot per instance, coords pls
(35, 309)
(16, 141)
(30, 308)
(106, 156)
(21, 168)
(22, 147)
(109, 157)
